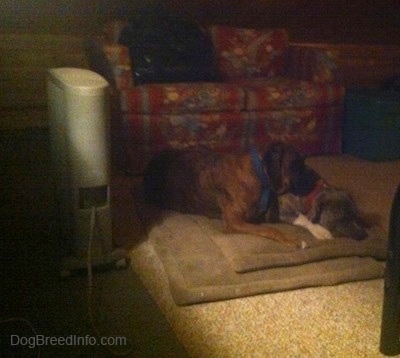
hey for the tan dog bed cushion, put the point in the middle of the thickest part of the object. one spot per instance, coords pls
(204, 264)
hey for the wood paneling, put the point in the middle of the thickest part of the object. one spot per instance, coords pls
(329, 21)
(49, 16)
(24, 61)
(372, 22)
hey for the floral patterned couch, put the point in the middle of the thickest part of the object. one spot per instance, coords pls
(270, 90)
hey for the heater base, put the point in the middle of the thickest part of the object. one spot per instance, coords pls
(116, 260)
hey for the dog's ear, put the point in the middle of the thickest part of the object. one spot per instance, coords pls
(287, 170)
(280, 160)
(304, 181)
(272, 214)
(272, 162)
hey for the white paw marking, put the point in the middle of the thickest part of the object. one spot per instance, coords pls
(318, 231)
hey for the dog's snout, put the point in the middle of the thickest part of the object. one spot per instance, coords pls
(355, 231)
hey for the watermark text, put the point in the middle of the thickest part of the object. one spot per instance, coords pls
(71, 340)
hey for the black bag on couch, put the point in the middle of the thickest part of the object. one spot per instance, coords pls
(165, 47)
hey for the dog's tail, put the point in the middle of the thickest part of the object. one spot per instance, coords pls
(155, 177)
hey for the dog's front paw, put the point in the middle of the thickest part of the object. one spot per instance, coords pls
(288, 241)
(320, 233)
(278, 236)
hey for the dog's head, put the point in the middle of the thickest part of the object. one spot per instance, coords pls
(287, 170)
(336, 211)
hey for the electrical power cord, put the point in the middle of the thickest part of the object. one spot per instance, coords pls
(89, 298)
(90, 289)
(25, 321)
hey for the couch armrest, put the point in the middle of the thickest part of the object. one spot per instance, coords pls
(312, 63)
(112, 61)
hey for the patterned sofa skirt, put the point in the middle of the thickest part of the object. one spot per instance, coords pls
(137, 137)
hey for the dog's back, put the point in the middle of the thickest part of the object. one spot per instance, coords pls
(177, 180)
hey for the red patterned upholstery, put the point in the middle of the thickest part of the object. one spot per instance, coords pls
(183, 98)
(249, 53)
(311, 130)
(145, 135)
(285, 93)
(271, 90)
(311, 64)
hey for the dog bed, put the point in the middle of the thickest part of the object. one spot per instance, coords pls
(204, 264)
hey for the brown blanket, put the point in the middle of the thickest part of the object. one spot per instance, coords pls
(204, 264)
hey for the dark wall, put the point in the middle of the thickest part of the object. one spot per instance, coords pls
(326, 21)
(49, 16)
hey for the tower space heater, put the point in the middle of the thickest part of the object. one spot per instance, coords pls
(79, 134)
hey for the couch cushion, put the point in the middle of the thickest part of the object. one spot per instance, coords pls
(183, 98)
(249, 53)
(283, 93)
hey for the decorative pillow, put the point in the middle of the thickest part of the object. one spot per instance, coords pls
(249, 53)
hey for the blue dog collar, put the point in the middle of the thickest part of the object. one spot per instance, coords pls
(262, 175)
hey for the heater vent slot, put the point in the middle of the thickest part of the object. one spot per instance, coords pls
(96, 196)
